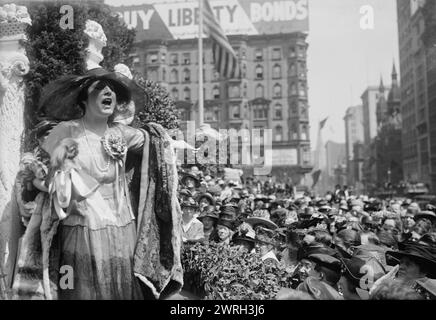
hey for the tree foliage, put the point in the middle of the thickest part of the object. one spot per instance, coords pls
(216, 272)
(54, 51)
(159, 108)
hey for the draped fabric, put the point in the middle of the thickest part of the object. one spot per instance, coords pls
(157, 261)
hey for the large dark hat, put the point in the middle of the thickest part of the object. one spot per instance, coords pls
(423, 254)
(60, 99)
(358, 267)
(326, 261)
(189, 202)
(207, 196)
(261, 197)
(235, 196)
(426, 214)
(188, 175)
(209, 212)
(244, 232)
(319, 290)
(267, 236)
(229, 223)
(315, 248)
(261, 217)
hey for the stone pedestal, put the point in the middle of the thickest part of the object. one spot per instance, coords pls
(13, 66)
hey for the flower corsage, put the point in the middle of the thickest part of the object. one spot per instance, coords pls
(115, 146)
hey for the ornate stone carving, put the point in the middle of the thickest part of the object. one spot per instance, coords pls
(97, 41)
(13, 66)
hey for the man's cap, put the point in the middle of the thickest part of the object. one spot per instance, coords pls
(327, 261)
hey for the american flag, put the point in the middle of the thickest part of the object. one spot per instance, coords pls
(226, 61)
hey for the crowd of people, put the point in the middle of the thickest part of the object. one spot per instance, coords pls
(341, 246)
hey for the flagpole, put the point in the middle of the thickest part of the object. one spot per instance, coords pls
(200, 64)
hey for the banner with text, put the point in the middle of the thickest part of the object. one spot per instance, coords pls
(174, 19)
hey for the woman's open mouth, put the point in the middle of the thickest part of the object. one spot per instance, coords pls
(107, 102)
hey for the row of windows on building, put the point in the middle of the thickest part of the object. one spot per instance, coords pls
(259, 73)
(185, 58)
(235, 92)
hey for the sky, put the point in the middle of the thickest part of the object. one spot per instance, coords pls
(343, 59)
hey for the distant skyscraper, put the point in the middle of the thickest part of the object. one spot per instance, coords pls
(414, 94)
(353, 134)
(369, 107)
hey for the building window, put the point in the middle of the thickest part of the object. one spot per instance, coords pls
(277, 54)
(303, 111)
(234, 92)
(174, 58)
(236, 50)
(259, 91)
(260, 113)
(245, 91)
(163, 57)
(306, 156)
(216, 92)
(304, 132)
(164, 75)
(277, 71)
(152, 75)
(216, 76)
(152, 57)
(302, 89)
(301, 51)
(293, 88)
(294, 108)
(187, 58)
(259, 72)
(186, 75)
(187, 93)
(292, 69)
(278, 133)
(175, 94)
(292, 52)
(277, 91)
(258, 54)
(210, 115)
(278, 112)
(294, 132)
(244, 70)
(236, 112)
(244, 54)
(174, 77)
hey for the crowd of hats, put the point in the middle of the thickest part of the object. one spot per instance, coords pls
(345, 234)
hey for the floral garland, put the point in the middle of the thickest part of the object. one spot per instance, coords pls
(217, 272)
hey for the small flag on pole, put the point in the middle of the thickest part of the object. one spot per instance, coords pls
(226, 61)
(322, 123)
